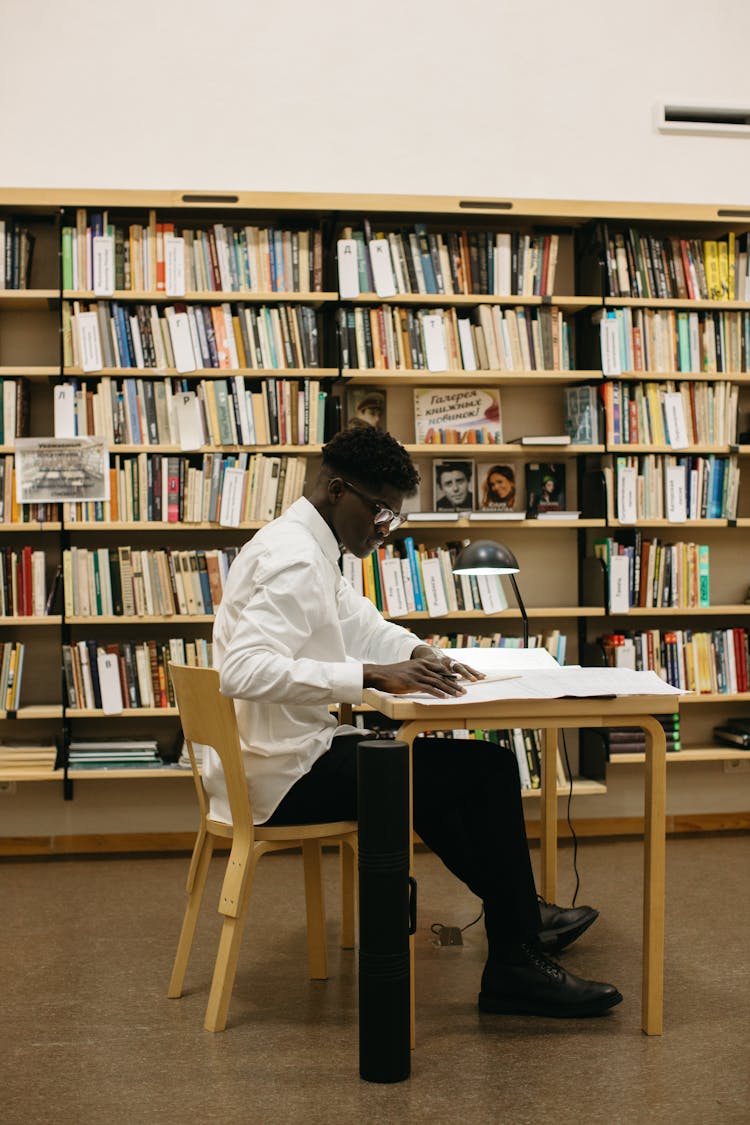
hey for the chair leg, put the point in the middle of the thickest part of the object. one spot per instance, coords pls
(225, 968)
(199, 866)
(348, 870)
(316, 913)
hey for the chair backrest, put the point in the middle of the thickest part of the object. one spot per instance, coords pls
(209, 717)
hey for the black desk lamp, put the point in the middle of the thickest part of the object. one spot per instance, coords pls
(486, 556)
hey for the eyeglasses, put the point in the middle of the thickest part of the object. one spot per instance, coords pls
(381, 514)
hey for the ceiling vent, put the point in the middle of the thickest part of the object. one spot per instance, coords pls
(703, 120)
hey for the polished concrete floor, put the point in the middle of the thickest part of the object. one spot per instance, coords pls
(87, 1036)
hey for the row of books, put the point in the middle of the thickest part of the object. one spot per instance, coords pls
(643, 265)
(504, 263)
(16, 253)
(185, 338)
(402, 578)
(597, 745)
(11, 674)
(650, 573)
(671, 413)
(676, 488)
(128, 582)
(165, 258)
(668, 340)
(714, 661)
(525, 744)
(120, 677)
(14, 409)
(228, 490)
(554, 641)
(10, 510)
(136, 411)
(493, 338)
(23, 583)
(114, 754)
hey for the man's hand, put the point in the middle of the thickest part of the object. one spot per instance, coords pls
(464, 671)
(428, 673)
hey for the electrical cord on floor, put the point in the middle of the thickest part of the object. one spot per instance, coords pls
(451, 935)
(570, 822)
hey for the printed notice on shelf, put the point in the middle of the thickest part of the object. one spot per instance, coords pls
(109, 682)
(57, 470)
(104, 264)
(174, 266)
(230, 513)
(619, 584)
(676, 494)
(626, 490)
(609, 336)
(89, 341)
(434, 342)
(182, 341)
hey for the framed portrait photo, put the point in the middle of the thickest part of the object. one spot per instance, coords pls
(454, 485)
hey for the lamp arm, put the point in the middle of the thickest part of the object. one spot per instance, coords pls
(522, 608)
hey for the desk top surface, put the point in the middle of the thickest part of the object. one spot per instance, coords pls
(596, 710)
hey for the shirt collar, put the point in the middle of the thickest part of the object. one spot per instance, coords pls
(307, 514)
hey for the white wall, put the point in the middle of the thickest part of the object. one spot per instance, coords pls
(517, 97)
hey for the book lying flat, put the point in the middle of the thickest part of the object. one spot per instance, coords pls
(415, 517)
(497, 515)
(548, 439)
(552, 515)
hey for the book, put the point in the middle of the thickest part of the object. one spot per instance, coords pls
(546, 439)
(545, 488)
(366, 406)
(457, 415)
(497, 490)
(453, 485)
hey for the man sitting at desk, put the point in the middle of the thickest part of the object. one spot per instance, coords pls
(292, 637)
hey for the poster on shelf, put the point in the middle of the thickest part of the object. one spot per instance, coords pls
(57, 470)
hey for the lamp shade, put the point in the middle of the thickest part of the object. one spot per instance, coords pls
(485, 556)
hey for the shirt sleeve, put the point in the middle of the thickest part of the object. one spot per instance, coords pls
(261, 660)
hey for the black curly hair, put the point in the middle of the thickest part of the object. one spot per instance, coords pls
(372, 457)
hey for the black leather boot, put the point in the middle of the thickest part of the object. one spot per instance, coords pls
(562, 925)
(527, 982)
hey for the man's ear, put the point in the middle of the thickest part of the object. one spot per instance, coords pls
(335, 489)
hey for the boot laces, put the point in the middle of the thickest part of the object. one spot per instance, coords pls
(544, 964)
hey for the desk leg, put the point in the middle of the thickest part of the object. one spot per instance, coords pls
(654, 854)
(548, 820)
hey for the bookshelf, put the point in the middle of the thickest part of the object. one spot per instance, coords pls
(36, 344)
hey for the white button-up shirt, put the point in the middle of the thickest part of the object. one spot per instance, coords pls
(290, 638)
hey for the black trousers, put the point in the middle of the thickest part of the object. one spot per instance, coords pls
(467, 809)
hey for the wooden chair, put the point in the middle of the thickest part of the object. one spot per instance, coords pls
(209, 717)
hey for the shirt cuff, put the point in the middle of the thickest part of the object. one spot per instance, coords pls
(348, 680)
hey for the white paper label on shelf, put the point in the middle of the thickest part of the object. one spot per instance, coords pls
(65, 410)
(174, 266)
(619, 584)
(433, 587)
(182, 342)
(109, 683)
(90, 341)
(103, 250)
(187, 415)
(676, 495)
(626, 493)
(231, 497)
(434, 342)
(346, 251)
(610, 346)
(674, 414)
(382, 268)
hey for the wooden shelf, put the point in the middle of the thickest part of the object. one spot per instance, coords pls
(714, 697)
(582, 786)
(131, 773)
(204, 373)
(514, 449)
(279, 450)
(34, 525)
(673, 303)
(146, 525)
(684, 451)
(29, 774)
(459, 300)
(35, 373)
(49, 619)
(27, 298)
(532, 611)
(526, 525)
(692, 754)
(683, 611)
(126, 713)
(400, 378)
(685, 524)
(177, 618)
(36, 711)
(216, 296)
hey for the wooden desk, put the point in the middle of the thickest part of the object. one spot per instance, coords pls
(551, 715)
